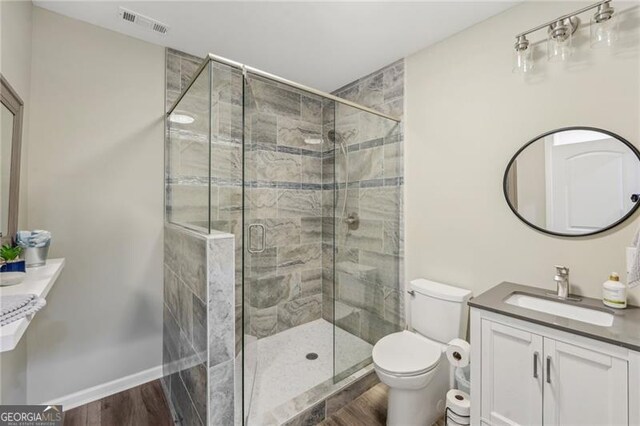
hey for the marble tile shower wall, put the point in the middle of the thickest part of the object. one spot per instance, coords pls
(188, 156)
(368, 290)
(284, 193)
(198, 327)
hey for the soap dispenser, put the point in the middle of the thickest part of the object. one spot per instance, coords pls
(614, 293)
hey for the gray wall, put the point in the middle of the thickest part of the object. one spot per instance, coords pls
(467, 114)
(95, 181)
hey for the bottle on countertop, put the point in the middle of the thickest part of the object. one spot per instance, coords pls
(614, 293)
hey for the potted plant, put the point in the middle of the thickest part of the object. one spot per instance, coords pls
(10, 255)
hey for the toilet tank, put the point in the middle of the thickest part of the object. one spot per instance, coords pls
(438, 311)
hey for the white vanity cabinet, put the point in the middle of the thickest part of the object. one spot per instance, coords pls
(527, 374)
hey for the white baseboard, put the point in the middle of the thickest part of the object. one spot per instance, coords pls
(94, 393)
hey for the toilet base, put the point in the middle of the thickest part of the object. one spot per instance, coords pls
(418, 407)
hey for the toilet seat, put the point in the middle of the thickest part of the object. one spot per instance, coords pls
(406, 354)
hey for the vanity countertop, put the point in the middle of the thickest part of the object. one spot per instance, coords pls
(625, 330)
(38, 281)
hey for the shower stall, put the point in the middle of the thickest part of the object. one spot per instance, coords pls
(305, 184)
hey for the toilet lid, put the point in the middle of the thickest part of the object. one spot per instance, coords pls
(406, 353)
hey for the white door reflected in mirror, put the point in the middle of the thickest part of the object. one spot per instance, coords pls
(6, 138)
(577, 181)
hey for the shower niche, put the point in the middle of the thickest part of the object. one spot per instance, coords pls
(291, 200)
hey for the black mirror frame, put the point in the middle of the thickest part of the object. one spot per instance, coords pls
(562, 129)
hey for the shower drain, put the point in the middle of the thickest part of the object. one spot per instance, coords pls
(312, 355)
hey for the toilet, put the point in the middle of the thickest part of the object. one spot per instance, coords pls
(413, 362)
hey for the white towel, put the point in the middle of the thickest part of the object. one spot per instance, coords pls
(634, 271)
(33, 305)
(12, 303)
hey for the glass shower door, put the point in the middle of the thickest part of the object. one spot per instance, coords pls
(367, 212)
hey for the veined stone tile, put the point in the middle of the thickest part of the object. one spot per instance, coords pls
(273, 99)
(311, 417)
(171, 298)
(311, 108)
(310, 283)
(350, 92)
(277, 166)
(229, 202)
(360, 294)
(393, 160)
(394, 108)
(311, 230)
(380, 203)
(189, 203)
(387, 267)
(226, 161)
(393, 306)
(311, 169)
(371, 90)
(304, 256)
(391, 237)
(264, 128)
(293, 132)
(195, 383)
(188, 68)
(227, 118)
(193, 269)
(263, 264)
(282, 232)
(261, 203)
(299, 311)
(182, 402)
(347, 126)
(268, 292)
(393, 81)
(264, 322)
(366, 164)
(194, 158)
(173, 72)
(199, 323)
(368, 236)
(221, 397)
(185, 310)
(296, 203)
(221, 300)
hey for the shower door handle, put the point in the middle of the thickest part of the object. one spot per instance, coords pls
(250, 248)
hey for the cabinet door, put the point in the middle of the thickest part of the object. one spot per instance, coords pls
(511, 376)
(584, 387)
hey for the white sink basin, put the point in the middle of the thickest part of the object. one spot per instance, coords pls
(566, 310)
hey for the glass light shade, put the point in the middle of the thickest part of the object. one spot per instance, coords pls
(559, 48)
(604, 33)
(522, 60)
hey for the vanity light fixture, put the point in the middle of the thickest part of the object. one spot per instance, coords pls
(522, 56)
(559, 39)
(560, 35)
(604, 27)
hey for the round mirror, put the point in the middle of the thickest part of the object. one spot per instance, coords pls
(574, 181)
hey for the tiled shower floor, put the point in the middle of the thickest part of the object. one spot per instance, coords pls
(284, 372)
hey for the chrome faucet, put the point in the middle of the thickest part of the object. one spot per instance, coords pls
(562, 281)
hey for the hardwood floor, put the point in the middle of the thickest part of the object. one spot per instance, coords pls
(143, 405)
(369, 409)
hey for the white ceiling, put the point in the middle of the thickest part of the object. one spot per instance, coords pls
(321, 44)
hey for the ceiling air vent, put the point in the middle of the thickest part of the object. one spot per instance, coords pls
(143, 21)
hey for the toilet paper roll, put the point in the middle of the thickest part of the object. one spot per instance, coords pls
(458, 352)
(459, 402)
